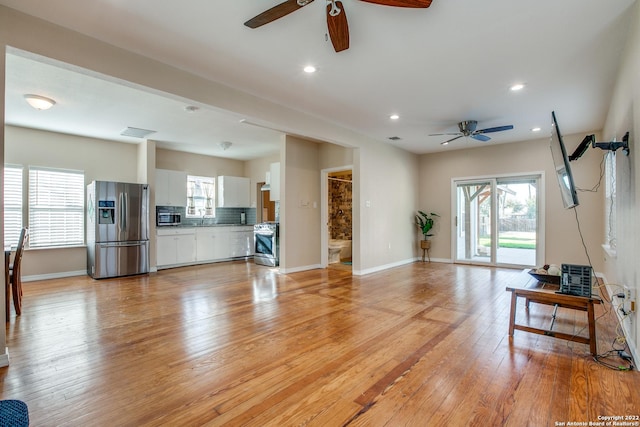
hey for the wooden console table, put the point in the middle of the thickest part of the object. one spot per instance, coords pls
(528, 287)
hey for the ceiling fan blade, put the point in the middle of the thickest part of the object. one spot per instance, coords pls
(440, 134)
(495, 129)
(452, 139)
(338, 26)
(276, 12)
(402, 3)
(480, 137)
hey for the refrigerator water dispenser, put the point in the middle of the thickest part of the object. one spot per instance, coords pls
(106, 211)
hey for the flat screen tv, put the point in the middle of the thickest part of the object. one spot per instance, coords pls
(562, 167)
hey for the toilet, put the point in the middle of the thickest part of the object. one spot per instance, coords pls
(339, 250)
(334, 255)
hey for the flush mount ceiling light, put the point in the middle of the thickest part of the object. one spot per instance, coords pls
(517, 87)
(310, 69)
(536, 129)
(39, 102)
(394, 117)
(225, 145)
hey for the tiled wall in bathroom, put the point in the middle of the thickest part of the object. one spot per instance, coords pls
(340, 208)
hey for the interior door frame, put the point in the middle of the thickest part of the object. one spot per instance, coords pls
(324, 212)
(540, 234)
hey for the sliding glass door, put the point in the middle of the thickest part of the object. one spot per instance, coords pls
(473, 222)
(497, 221)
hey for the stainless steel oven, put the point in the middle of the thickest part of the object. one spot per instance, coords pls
(267, 244)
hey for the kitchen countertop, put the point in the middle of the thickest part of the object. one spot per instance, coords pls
(202, 225)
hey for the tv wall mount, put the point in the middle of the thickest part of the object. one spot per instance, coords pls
(611, 146)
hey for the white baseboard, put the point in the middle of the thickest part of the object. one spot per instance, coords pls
(624, 325)
(4, 358)
(383, 267)
(299, 269)
(59, 275)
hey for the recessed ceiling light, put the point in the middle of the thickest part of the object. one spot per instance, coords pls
(309, 69)
(394, 117)
(536, 129)
(516, 87)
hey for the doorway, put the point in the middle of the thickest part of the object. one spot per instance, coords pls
(496, 221)
(266, 209)
(337, 217)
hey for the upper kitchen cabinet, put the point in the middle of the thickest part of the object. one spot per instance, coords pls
(234, 192)
(171, 188)
(274, 191)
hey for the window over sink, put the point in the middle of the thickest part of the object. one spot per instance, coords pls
(201, 193)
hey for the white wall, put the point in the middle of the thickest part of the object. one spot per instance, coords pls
(299, 205)
(385, 197)
(99, 159)
(623, 116)
(385, 169)
(563, 241)
(195, 164)
(4, 353)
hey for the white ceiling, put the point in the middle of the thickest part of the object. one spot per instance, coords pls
(434, 67)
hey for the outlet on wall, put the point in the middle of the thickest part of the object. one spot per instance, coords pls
(629, 303)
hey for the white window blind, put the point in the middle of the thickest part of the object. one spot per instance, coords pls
(56, 207)
(12, 204)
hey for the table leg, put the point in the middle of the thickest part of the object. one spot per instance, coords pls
(512, 316)
(592, 329)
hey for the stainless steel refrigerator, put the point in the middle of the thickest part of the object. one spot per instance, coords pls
(117, 229)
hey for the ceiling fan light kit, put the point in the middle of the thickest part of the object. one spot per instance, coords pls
(337, 25)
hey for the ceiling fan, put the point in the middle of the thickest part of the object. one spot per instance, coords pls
(468, 128)
(336, 16)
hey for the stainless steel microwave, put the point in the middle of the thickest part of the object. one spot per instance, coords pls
(168, 218)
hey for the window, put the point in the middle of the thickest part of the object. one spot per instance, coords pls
(56, 207)
(12, 204)
(200, 196)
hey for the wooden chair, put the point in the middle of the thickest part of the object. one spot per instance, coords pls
(14, 275)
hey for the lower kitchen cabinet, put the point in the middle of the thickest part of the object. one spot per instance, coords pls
(175, 246)
(184, 246)
(211, 244)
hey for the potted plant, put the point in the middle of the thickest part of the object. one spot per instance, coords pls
(425, 223)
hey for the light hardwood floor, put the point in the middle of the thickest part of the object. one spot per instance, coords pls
(235, 344)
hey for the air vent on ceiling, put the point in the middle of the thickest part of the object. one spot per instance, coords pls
(136, 132)
(395, 138)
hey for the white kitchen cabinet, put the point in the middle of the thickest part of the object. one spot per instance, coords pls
(234, 192)
(240, 242)
(274, 191)
(171, 188)
(212, 243)
(175, 246)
